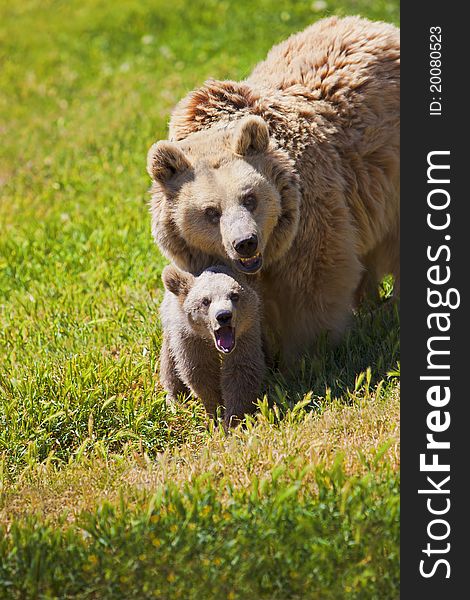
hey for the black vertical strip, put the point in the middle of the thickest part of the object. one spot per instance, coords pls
(434, 119)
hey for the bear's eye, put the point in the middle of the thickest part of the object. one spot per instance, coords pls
(212, 214)
(249, 202)
(234, 297)
(206, 301)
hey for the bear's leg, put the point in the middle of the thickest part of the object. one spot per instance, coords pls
(169, 377)
(393, 251)
(390, 258)
(368, 289)
(305, 325)
(199, 366)
(242, 374)
(383, 260)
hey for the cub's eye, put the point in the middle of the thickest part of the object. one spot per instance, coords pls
(249, 202)
(212, 214)
(206, 301)
(234, 297)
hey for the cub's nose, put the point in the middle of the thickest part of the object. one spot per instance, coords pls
(246, 247)
(224, 317)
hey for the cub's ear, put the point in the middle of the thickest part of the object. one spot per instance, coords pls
(164, 160)
(251, 136)
(176, 281)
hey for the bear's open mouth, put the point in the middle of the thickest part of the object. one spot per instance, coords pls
(225, 339)
(250, 265)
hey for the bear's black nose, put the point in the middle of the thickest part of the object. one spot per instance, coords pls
(224, 317)
(246, 247)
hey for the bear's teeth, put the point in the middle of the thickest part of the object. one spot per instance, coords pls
(250, 261)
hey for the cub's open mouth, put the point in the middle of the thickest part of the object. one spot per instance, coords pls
(225, 339)
(250, 265)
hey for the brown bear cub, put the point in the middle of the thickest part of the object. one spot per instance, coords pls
(212, 344)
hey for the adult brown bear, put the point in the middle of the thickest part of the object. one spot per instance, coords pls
(291, 176)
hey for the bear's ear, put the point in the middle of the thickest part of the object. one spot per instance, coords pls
(176, 281)
(251, 136)
(164, 160)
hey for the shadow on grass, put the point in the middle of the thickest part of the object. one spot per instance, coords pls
(373, 341)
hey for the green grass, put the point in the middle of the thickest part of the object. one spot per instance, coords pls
(259, 543)
(86, 437)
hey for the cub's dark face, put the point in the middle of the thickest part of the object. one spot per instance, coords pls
(220, 197)
(216, 305)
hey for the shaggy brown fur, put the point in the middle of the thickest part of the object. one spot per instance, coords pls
(212, 342)
(311, 138)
